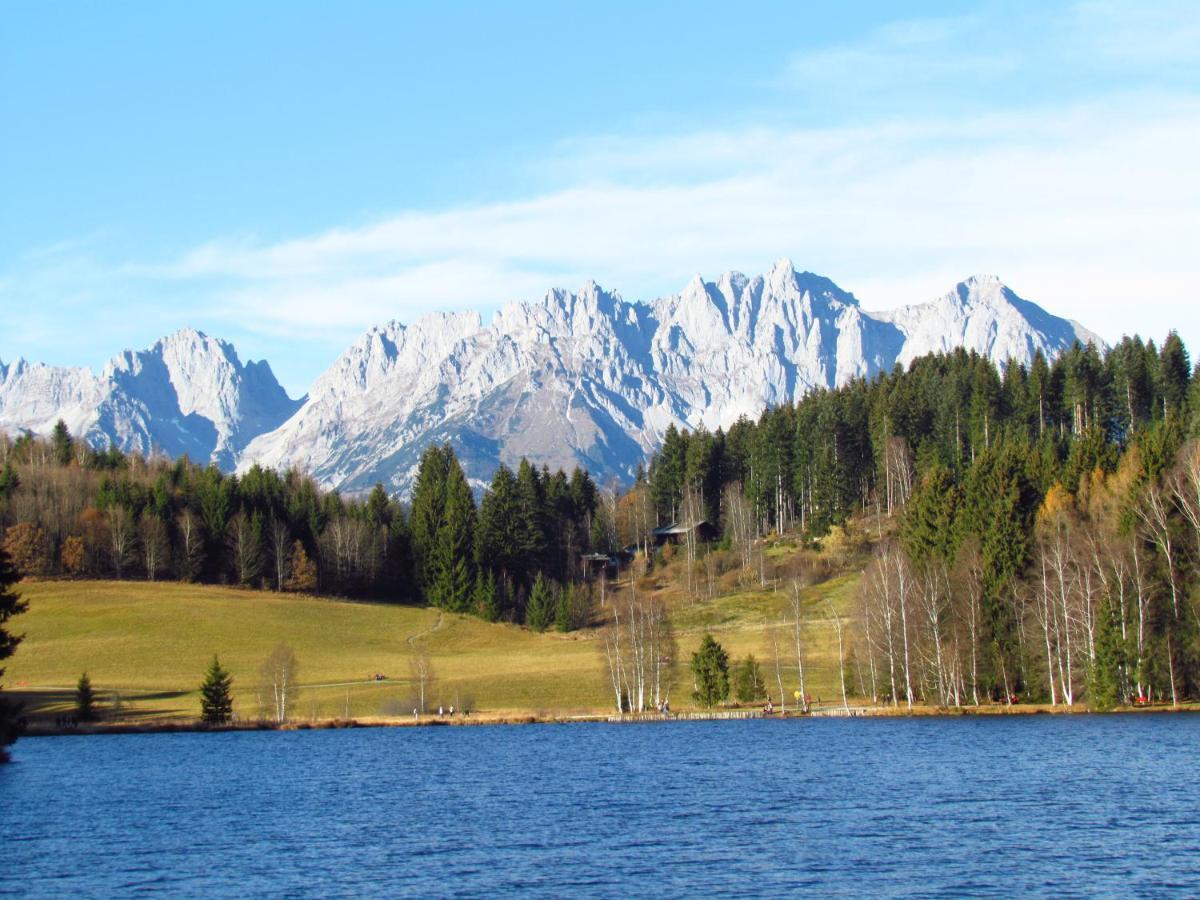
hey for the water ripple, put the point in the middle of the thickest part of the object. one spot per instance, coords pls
(1077, 805)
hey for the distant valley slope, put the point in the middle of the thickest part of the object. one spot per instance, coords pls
(581, 378)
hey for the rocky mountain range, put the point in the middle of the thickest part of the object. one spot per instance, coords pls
(189, 393)
(582, 378)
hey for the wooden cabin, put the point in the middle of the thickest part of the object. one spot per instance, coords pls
(598, 564)
(677, 532)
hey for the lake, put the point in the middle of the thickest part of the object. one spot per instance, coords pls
(964, 806)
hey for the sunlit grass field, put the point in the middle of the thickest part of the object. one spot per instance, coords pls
(146, 645)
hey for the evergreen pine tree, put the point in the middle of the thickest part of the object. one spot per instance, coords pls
(748, 682)
(85, 699)
(60, 441)
(1193, 405)
(999, 506)
(710, 671)
(496, 544)
(486, 601)
(10, 605)
(667, 473)
(539, 611)
(379, 507)
(601, 538)
(702, 469)
(928, 528)
(562, 610)
(428, 512)
(1174, 372)
(451, 557)
(216, 700)
(9, 482)
(1104, 678)
(583, 495)
(531, 526)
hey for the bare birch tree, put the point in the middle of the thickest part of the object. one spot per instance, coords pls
(798, 627)
(155, 545)
(421, 674)
(739, 524)
(280, 537)
(841, 642)
(279, 683)
(122, 537)
(776, 646)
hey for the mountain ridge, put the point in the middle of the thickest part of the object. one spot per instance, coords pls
(187, 393)
(589, 378)
(573, 378)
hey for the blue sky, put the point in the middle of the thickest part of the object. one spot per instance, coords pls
(286, 175)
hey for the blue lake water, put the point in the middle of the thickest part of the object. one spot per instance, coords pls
(972, 806)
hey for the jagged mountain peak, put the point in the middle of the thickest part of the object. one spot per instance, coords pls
(981, 279)
(186, 393)
(571, 378)
(193, 337)
(985, 289)
(782, 268)
(586, 378)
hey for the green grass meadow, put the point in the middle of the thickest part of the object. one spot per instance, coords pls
(146, 645)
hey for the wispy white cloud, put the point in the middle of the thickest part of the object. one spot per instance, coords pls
(1163, 35)
(1097, 190)
(900, 55)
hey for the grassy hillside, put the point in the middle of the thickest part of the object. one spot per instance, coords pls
(149, 643)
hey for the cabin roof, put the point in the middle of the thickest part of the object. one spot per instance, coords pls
(679, 527)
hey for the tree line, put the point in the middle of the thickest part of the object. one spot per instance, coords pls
(841, 452)
(68, 509)
(1036, 528)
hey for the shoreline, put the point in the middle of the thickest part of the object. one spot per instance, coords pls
(50, 729)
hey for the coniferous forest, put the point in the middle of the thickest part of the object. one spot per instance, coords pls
(1035, 530)
(1038, 529)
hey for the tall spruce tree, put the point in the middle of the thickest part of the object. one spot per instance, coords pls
(667, 474)
(9, 482)
(1174, 373)
(60, 440)
(532, 523)
(564, 609)
(710, 671)
(539, 611)
(485, 601)
(216, 697)
(1104, 676)
(583, 497)
(929, 522)
(496, 544)
(1194, 404)
(451, 557)
(748, 682)
(11, 604)
(85, 699)
(1000, 503)
(428, 513)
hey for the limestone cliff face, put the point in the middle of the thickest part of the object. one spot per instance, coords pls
(189, 393)
(587, 378)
